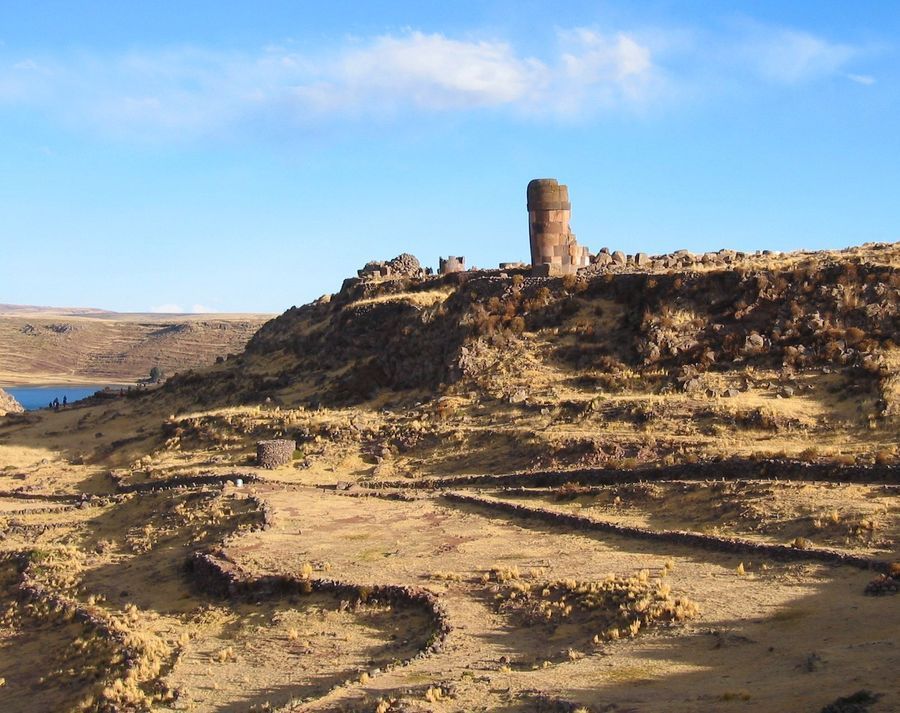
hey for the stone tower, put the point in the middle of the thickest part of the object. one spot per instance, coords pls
(552, 242)
(452, 264)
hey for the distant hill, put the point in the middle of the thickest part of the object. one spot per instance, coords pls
(86, 345)
(17, 310)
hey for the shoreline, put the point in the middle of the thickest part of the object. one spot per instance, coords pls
(60, 383)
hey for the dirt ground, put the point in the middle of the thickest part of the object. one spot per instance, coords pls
(671, 492)
(101, 611)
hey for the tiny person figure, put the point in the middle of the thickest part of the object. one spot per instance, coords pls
(65, 401)
(56, 404)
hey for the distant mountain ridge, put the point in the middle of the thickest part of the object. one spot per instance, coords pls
(9, 309)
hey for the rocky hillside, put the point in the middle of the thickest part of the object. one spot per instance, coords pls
(43, 344)
(8, 404)
(704, 330)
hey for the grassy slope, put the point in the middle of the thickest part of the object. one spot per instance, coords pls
(43, 345)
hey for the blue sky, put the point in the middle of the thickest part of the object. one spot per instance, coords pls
(249, 156)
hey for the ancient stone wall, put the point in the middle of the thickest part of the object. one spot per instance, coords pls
(451, 264)
(552, 241)
(271, 454)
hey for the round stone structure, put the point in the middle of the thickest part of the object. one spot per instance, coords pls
(453, 263)
(552, 241)
(271, 454)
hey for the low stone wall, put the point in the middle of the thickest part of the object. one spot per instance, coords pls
(218, 576)
(187, 481)
(732, 469)
(736, 545)
(271, 454)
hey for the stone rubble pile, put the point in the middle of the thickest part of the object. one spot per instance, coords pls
(882, 585)
(404, 265)
(680, 259)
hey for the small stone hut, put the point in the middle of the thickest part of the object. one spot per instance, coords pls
(271, 454)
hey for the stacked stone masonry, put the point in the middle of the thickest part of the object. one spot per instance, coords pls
(552, 241)
(451, 264)
(271, 454)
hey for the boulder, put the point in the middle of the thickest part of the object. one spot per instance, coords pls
(754, 342)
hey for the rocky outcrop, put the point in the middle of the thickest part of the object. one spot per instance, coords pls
(834, 311)
(8, 404)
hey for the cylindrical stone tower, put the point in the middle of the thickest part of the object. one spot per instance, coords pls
(452, 264)
(552, 243)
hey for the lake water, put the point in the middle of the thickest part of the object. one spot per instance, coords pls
(35, 397)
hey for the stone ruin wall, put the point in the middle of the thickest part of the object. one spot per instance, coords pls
(271, 454)
(552, 242)
(451, 264)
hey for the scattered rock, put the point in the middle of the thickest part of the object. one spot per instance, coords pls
(882, 585)
(519, 397)
(858, 702)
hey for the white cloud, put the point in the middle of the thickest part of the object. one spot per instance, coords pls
(790, 56)
(182, 93)
(604, 71)
(435, 72)
(864, 79)
(175, 308)
(185, 91)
